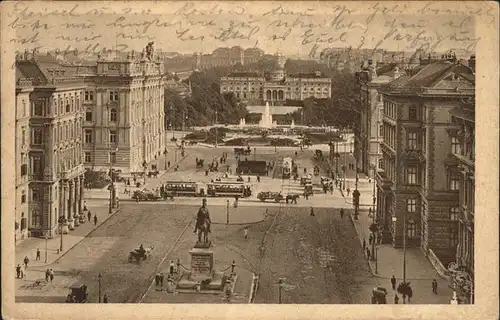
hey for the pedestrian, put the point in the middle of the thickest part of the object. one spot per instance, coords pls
(22, 271)
(312, 212)
(51, 272)
(393, 282)
(84, 205)
(370, 239)
(369, 212)
(168, 164)
(18, 271)
(157, 279)
(47, 275)
(348, 190)
(342, 213)
(37, 254)
(171, 267)
(105, 298)
(95, 219)
(89, 215)
(396, 299)
(364, 244)
(246, 233)
(434, 286)
(26, 260)
(368, 253)
(162, 277)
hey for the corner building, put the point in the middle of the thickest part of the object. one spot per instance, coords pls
(49, 162)
(124, 115)
(420, 181)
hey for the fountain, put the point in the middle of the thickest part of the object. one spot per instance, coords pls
(266, 120)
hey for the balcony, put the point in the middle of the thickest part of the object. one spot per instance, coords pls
(383, 181)
(413, 156)
(72, 173)
(39, 177)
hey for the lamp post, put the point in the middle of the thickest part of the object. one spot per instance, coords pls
(345, 157)
(280, 285)
(216, 130)
(61, 221)
(46, 240)
(227, 212)
(165, 154)
(99, 277)
(172, 120)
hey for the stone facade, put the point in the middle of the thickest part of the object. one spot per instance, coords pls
(124, 113)
(49, 179)
(276, 86)
(419, 183)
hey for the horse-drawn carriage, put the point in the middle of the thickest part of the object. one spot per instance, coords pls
(266, 195)
(316, 170)
(140, 254)
(199, 163)
(318, 155)
(145, 195)
(78, 293)
(242, 151)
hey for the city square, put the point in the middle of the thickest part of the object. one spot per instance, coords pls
(251, 174)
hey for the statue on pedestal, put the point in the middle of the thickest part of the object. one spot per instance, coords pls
(150, 51)
(203, 223)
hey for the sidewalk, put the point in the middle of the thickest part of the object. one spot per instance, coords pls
(28, 246)
(419, 270)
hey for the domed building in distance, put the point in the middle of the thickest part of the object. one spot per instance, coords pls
(275, 86)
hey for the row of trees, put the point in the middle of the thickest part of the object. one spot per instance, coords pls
(200, 108)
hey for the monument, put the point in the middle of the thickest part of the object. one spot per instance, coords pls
(266, 120)
(202, 276)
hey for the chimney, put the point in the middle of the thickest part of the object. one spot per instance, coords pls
(472, 63)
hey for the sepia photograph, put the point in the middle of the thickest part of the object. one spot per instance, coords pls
(265, 153)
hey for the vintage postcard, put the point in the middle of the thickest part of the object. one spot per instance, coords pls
(249, 159)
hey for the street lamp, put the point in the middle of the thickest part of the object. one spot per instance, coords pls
(46, 240)
(112, 185)
(280, 285)
(165, 154)
(61, 222)
(216, 130)
(227, 212)
(99, 277)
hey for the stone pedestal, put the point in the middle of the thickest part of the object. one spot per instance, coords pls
(202, 263)
(202, 276)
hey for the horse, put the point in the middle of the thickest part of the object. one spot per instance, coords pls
(292, 198)
(203, 229)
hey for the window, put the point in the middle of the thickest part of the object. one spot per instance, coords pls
(37, 136)
(38, 108)
(454, 183)
(89, 96)
(88, 157)
(412, 113)
(455, 145)
(36, 218)
(454, 213)
(411, 175)
(23, 197)
(380, 130)
(113, 115)
(411, 205)
(24, 169)
(411, 229)
(381, 164)
(35, 194)
(88, 136)
(453, 237)
(24, 108)
(412, 141)
(112, 157)
(113, 96)
(68, 107)
(112, 136)
(23, 136)
(88, 115)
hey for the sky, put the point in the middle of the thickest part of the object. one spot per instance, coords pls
(292, 28)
